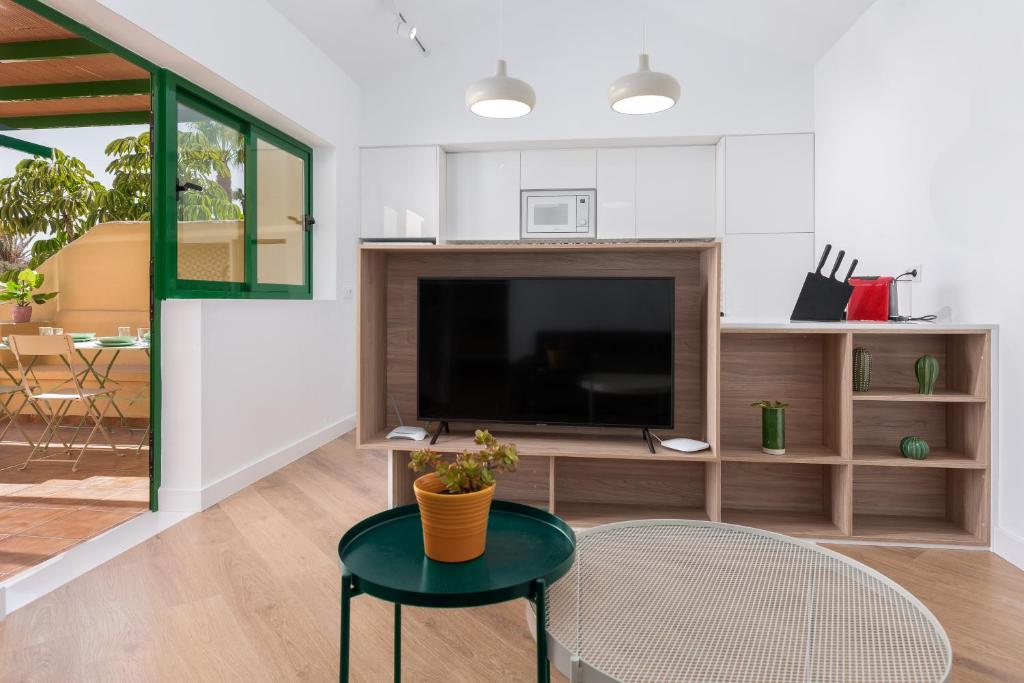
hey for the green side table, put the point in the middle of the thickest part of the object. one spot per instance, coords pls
(527, 550)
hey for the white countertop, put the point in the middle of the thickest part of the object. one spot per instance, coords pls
(732, 324)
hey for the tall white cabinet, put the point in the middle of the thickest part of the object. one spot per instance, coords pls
(401, 192)
(482, 196)
(675, 192)
(768, 219)
(616, 193)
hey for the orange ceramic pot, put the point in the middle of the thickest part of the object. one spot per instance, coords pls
(454, 524)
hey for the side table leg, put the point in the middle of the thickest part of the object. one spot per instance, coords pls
(540, 602)
(346, 598)
(398, 642)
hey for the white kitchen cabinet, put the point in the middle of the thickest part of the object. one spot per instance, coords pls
(401, 192)
(763, 274)
(482, 196)
(675, 192)
(558, 169)
(616, 194)
(769, 183)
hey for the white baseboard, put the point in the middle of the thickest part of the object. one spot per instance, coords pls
(253, 472)
(1009, 546)
(180, 500)
(33, 583)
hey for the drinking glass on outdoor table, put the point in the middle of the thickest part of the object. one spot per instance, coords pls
(45, 331)
(143, 334)
(58, 332)
(124, 331)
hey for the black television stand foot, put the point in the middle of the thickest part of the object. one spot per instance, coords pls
(646, 434)
(442, 426)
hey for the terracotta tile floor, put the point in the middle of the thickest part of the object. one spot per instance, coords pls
(46, 508)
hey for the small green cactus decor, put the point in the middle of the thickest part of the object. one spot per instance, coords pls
(773, 426)
(927, 370)
(914, 447)
(861, 369)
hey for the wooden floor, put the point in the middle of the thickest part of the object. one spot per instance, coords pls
(248, 591)
(46, 508)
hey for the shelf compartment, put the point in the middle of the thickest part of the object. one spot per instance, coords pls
(529, 484)
(595, 491)
(912, 395)
(963, 365)
(586, 515)
(794, 454)
(927, 505)
(807, 371)
(797, 499)
(956, 432)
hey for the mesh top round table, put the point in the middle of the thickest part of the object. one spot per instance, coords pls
(679, 600)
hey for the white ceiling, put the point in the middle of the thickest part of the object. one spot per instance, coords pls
(360, 34)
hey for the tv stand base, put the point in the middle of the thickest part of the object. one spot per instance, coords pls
(442, 426)
(646, 435)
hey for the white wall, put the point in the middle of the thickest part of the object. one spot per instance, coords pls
(919, 122)
(570, 57)
(274, 379)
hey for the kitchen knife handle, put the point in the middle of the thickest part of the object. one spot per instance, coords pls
(839, 259)
(824, 257)
(849, 273)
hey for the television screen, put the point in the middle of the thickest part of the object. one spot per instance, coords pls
(568, 351)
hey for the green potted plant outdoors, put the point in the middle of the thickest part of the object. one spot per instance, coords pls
(455, 499)
(773, 426)
(20, 291)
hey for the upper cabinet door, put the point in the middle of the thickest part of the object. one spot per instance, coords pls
(675, 192)
(559, 169)
(482, 190)
(769, 183)
(401, 192)
(616, 194)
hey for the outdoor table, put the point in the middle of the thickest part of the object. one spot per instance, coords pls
(382, 556)
(101, 373)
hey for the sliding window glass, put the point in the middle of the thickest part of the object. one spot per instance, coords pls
(241, 194)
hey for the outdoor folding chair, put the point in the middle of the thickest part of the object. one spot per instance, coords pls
(8, 394)
(54, 405)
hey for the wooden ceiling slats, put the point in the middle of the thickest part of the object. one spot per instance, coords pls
(20, 27)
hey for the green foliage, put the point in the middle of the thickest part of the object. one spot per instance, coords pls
(19, 290)
(770, 404)
(129, 197)
(207, 152)
(56, 196)
(472, 470)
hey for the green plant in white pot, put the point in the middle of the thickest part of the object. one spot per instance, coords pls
(21, 291)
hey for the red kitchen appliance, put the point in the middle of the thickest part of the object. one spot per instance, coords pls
(870, 298)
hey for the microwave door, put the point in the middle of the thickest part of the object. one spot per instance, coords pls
(551, 214)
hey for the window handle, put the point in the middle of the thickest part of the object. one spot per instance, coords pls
(308, 221)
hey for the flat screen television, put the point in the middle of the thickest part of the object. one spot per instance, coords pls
(577, 351)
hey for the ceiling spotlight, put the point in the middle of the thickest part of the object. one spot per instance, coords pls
(404, 28)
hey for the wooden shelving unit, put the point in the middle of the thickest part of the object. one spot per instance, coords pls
(842, 476)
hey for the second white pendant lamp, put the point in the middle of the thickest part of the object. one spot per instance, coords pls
(643, 91)
(498, 96)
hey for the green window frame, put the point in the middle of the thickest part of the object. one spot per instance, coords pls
(170, 91)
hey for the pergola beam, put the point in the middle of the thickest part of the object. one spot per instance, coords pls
(117, 118)
(48, 49)
(25, 146)
(59, 91)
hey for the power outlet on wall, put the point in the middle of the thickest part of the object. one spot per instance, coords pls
(347, 292)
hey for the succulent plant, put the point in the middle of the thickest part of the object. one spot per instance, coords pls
(914, 447)
(471, 470)
(927, 370)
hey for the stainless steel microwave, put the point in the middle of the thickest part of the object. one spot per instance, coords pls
(558, 214)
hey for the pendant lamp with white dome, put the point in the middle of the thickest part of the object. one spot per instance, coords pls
(643, 91)
(499, 96)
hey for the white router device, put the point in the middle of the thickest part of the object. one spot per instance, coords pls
(403, 431)
(683, 444)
